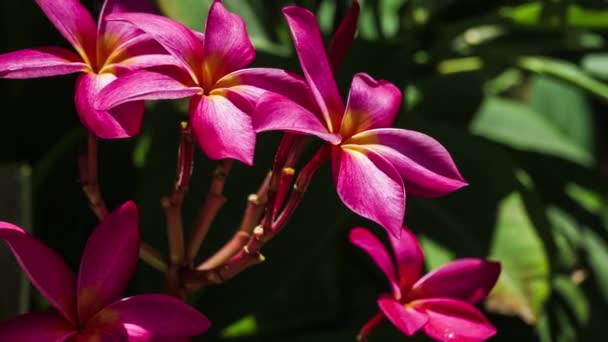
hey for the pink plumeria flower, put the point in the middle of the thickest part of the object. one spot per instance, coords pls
(103, 50)
(441, 302)
(212, 73)
(89, 308)
(373, 165)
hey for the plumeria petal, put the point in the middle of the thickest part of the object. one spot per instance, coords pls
(277, 81)
(74, 23)
(39, 62)
(144, 85)
(369, 186)
(53, 278)
(275, 112)
(40, 326)
(368, 242)
(311, 52)
(404, 317)
(371, 104)
(118, 30)
(467, 279)
(227, 45)
(138, 62)
(96, 336)
(179, 40)
(454, 321)
(108, 260)
(150, 315)
(119, 122)
(343, 37)
(409, 256)
(425, 165)
(221, 129)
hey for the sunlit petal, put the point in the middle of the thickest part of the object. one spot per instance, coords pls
(39, 62)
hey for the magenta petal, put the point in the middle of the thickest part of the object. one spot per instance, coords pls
(405, 318)
(368, 242)
(146, 316)
(369, 186)
(277, 113)
(343, 37)
(108, 260)
(371, 104)
(454, 321)
(119, 122)
(143, 85)
(53, 278)
(409, 256)
(143, 61)
(74, 23)
(277, 81)
(227, 45)
(121, 31)
(40, 326)
(222, 130)
(311, 52)
(179, 40)
(39, 62)
(425, 165)
(467, 279)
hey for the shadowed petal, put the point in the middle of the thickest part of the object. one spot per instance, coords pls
(40, 326)
(369, 186)
(277, 113)
(39, 62)
(368, 242)
(343, 37)
(97, 336)
(143, 85)
(371, 104)
(405, 318)
(279, 81)
(425, 165)
(311, 52)
(409, 256)
(467, 279)
(108, 260)
(150, 315)
(74, 23)
(53, 278)
(454, 321)
(119, 122)
(138, 62)
(221, 129)
(179, 40)
(227, 45)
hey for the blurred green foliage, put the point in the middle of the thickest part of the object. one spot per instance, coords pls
(516, 91)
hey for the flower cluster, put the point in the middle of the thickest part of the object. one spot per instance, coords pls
(132, 55)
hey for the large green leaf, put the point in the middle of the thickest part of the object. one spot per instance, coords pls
(518, 126)
(524, 283)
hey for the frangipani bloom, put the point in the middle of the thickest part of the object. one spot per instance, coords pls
(103, 50)
(373, 165)
(89, 308)
(223, 94)
(441, 302)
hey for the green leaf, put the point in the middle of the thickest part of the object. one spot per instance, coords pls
(597, 254)
(571, 16)
(518, 126)
(523, 286)
(245, 326)
(596, 64)
(566, 106)
(566, 71)
(191, 13)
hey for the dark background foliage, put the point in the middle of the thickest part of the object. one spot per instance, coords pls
(516, 90)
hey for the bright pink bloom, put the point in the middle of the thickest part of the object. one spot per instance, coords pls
(103, 50)
(89, 308)
(441, 302)
(223, 93)
(373, 165)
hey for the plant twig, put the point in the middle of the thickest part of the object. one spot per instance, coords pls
(214, 201)
(251, 217)
(153, 257)
(87, 163)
